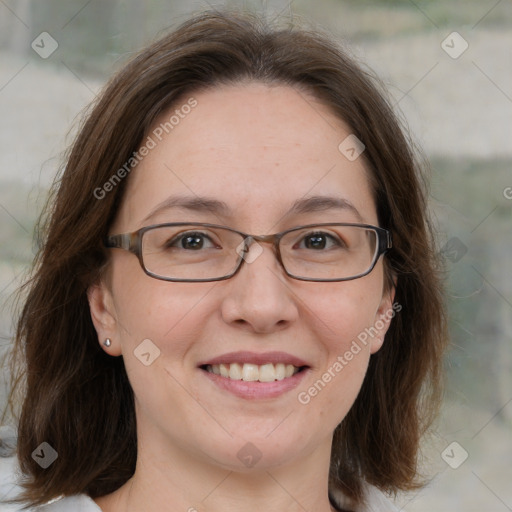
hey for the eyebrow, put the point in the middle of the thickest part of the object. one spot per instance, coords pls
(203, 204)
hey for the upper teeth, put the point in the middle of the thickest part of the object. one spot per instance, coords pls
(252, 372)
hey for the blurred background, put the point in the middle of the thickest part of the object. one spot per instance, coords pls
(447, 66)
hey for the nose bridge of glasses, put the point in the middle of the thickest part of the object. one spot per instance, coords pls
(266, 239)
(273, 240)
(269, 239)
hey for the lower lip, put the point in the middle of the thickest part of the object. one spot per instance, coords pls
(256, 389)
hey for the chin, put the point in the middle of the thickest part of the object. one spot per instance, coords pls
(258, 452)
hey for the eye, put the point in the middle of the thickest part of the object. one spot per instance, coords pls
(320, 240)
(191, 241)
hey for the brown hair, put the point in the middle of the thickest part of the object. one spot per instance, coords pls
(79, 400)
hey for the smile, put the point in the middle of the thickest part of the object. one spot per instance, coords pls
(247, 372)
(252, 375)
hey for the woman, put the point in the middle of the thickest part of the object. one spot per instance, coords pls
(236, 304)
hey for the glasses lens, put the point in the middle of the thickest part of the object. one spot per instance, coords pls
(190, 252)
(329, 252)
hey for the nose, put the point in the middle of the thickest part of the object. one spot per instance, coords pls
(259, 297)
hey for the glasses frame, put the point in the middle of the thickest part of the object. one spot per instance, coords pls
(132, 242)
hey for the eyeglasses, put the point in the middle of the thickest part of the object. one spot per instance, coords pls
(198, 252)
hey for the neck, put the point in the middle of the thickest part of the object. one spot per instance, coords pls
(173, 479)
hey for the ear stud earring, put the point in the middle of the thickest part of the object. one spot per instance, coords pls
(107, 342)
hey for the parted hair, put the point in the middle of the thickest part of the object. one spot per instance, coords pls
(68, 392)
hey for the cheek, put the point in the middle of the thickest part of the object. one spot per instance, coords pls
(341, 320)
(343, 311)
(169, 316)
(163, 312)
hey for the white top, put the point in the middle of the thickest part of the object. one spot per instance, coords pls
(375, 500)
(79, 503)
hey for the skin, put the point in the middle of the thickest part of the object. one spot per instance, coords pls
(258, 148)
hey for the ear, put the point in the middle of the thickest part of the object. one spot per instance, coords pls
(103, 317)
(385, 313)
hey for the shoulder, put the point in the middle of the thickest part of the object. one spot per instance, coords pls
(9, 489)
(378, 502)
(375, 501)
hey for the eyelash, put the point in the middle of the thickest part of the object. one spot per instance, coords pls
(179, 238)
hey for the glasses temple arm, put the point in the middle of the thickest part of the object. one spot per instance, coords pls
(385, 240)
(123, 241)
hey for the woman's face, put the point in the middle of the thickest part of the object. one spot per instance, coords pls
(258, 149)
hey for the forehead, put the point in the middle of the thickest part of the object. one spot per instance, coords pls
(256, 147)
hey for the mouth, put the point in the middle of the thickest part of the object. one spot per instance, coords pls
(251, 375)
(248, 372)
